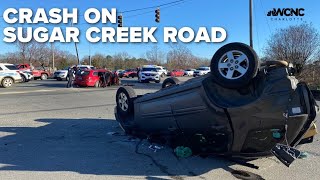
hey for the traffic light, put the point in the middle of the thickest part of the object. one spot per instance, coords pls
(120, 20)
(157, 15)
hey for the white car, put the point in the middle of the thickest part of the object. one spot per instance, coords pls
(61, 75)
(149, 73)
(189, 72)
(162, 71)
(201, 71)
(85, 67)
(26, 76)
(9, 74)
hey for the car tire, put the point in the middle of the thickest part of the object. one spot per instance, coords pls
(170, 82)
(7, 82)
(124, 100)
(24, 79)
(234, 65)
(97, 84)
(44, 77)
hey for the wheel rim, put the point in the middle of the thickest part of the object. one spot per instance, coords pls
(233, 65)
(44, 76)
(7, 82)
(123, 102)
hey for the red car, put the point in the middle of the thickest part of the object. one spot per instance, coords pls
(128, 73)
(91, 78)
(177, 73)
(37, 73)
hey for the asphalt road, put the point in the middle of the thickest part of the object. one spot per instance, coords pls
(50, 132)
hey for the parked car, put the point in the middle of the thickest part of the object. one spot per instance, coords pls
(38, 73)
(231, 111)
(149, 73)
(9, 75)
(26, 76)
(162, 71)
(61, 75)
(128, 73)
(201, 71)
(85, 67)
(177, 73)
(119, 71)
(189, 72)
(90, 78)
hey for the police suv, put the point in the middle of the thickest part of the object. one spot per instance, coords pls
(149, 73)
(9, 74)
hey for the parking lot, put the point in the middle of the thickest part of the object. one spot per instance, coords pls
(48, 131)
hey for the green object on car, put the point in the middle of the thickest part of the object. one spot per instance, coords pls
(183, 152)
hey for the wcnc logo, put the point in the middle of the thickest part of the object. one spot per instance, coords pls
(290, 14)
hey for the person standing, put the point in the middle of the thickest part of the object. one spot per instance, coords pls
(70, 77)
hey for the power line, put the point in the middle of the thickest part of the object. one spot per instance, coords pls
(152, 11)
(152, 7)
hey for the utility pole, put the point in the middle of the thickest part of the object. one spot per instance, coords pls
(250, 22)
(90, 54)
(52, 49)
(75, 44)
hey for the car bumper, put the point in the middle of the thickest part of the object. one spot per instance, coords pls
(60, 76)
(150, 78)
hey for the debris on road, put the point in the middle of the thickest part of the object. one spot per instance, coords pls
(155, 148)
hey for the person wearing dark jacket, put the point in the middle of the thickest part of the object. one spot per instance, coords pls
(70, 77)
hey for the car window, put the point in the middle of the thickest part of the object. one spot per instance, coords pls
(83, 73)
(150, 69)
(0, 68)
(11, 67)
(95, 73)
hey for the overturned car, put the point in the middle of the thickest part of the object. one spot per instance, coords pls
(242, 108)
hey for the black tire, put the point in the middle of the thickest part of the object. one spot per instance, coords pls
(24, 79)
(125, 95)
(170, 82)
(44, 77)
(97, 84)
(226, 71)
(7, 82)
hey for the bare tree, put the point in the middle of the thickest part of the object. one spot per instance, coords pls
(155, 55)
(296, 44)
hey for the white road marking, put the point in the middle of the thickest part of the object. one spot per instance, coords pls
(25, 92)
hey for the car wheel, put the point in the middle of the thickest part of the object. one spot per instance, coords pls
(44, 76)
(124, 99)
(24, 79)
(97, 84)
(170, 82)
(234, 65)
(7, 82)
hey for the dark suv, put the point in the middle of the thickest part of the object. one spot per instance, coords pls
(240, 108)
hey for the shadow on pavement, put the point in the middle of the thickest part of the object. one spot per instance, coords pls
(85, 146)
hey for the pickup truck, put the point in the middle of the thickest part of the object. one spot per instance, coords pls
(37, 73)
